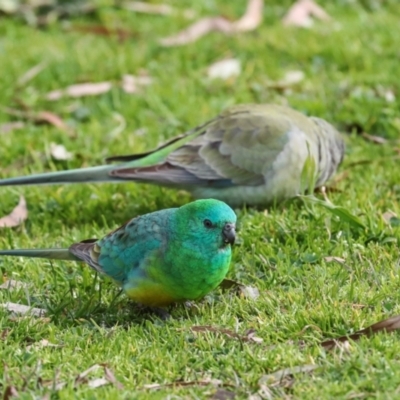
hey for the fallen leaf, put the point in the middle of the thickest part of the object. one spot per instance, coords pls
(224, 69)
(42, 343)
(31, 73)
(249, 337)
(277, 378)
(11, 126)
(249, 21)
(22, 309)
(389, 96)
(121, 34)
(12, 284)
(252, 18)
(38, 117)
(18, 215)
(4, 333)
(52, 119)
(111, 378)
(223, 394)
(10, 392)
(203, 382)
(94, 383)
(290, 78)
(334, 258)
(158, 9)
(9, 6)
(197, 30)
(246, 291)
(97, 382)
(358, 306)
(59, 152)
(250, 292)
(80, 90)
(388, 215)
(300, 13)
(131, 83)
(81, 377)
(373, 138)
(387, 325)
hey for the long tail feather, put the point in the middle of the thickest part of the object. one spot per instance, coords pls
(92, 174)
(54, 254)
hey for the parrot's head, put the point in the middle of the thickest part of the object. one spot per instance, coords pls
(209, 223)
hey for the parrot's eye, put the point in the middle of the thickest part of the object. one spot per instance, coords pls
(207, 223)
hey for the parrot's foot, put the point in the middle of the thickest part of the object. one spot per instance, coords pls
(189, 304)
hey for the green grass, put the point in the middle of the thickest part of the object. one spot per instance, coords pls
(349, 64)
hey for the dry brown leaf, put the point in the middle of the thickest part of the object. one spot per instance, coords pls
(31, 73)
(22, 309)
(252, 18)
(249, 337)
(10, 392)
(276, 378)
(387, 325)
(131, 83)
(250, 21)
(121, 34)
(202, 382)
(52, 119)
(197, 30)
(42, 343)
(4, 333)
(301, 12)
(389, 96)
(250, 292)
(290, 78)
(224, 69)
(243, 290)
(388, 215)
(81, 377)
(18, 215)
(97, 382)
(39, 117)
(373, 138)
(158, 9)
(222, 394)
(59, 152)
(80, 90)
(11, 126)
(111, 378)
(12, 284)
(334, 258)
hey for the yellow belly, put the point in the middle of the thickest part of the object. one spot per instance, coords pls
(150, 294)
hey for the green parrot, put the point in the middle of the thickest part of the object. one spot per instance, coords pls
(249, 154)
(168, 256)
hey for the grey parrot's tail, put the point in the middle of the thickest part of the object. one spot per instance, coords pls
(54, 254)
(92, 174)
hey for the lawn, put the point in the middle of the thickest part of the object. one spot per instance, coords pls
(318, 276)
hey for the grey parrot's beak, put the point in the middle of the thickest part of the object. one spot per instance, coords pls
(228, 233)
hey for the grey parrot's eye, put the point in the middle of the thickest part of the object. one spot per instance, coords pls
(207, 223)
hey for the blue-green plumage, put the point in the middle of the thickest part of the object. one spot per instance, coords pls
(163, 257)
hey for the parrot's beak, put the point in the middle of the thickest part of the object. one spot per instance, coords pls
(228, 233)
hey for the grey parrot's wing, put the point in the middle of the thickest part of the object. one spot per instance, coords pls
(237, 148)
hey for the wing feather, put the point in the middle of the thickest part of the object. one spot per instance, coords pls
(240, 147)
